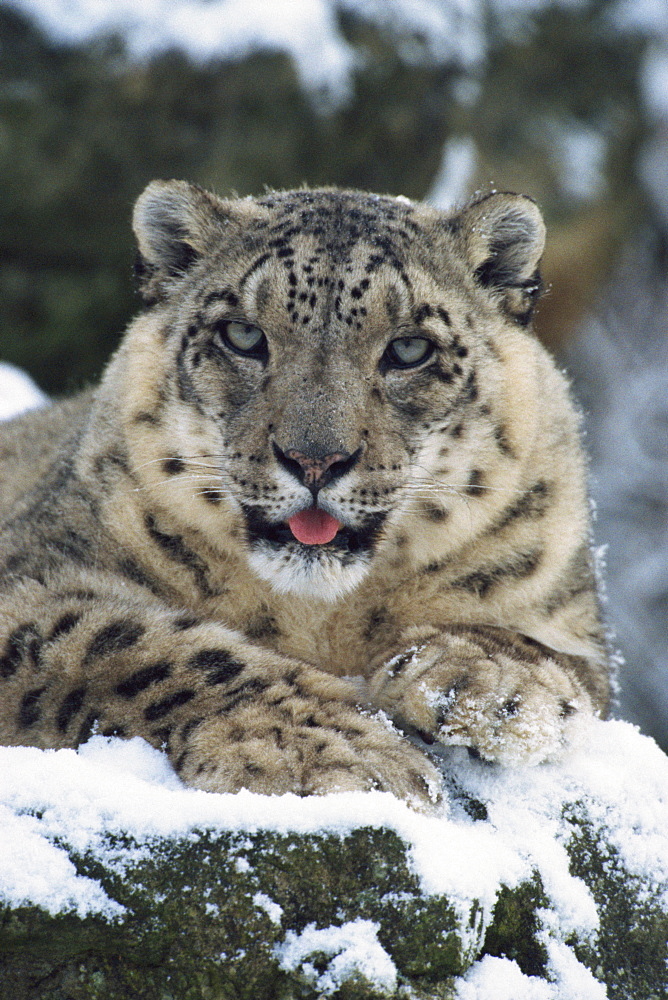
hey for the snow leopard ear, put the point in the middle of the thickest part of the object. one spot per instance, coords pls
(174, 222)
(503, 238)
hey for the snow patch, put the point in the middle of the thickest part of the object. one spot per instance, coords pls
(654, 79)
(353, 947)
(273, 910)
(502, 979)
(52, 801)
(575, 980)
(580, 157)
(454, 179)
(35, 870)
(18, 392)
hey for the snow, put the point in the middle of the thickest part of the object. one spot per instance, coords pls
(125, 786)
(220, 28)
(51, 800)
(308, 30)
(646, 16)
(354, 947)
(580, 155)
(18, 392)
(451, 33)
(35, 870)
(649, 19)
(454, 178)
(273, 910)
(654, 80)
(502, 979)
(575, 981)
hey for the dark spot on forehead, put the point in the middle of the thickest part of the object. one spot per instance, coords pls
(338, 220)
(263, 293)
(222, 295)
(393, 305)
(422, 312)
(255, 266)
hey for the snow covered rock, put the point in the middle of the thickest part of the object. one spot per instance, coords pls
(548, 883)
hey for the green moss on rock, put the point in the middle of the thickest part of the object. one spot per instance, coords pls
(630, 952)
(204, 917)
(514, 930)
(196, 925)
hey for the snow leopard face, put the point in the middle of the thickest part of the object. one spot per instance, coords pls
(333, 369)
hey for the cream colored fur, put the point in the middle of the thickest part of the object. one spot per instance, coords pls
(150, 584)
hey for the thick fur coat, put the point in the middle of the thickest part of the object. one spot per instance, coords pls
(328, 493)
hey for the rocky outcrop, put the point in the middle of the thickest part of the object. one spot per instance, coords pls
(544, 883)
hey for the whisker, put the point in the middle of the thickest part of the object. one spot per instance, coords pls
(200, 465)
(192, 460)
(435, 483)
(203, 493)
(220, 486)
(455, 487)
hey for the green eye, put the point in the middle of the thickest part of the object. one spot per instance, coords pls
(244, 338)
(406, 352)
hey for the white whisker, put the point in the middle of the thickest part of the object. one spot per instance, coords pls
(194, 460)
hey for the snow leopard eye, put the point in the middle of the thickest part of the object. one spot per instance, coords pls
(243, 338)
(407, 352)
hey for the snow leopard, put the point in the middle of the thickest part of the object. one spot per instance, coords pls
(325, 514)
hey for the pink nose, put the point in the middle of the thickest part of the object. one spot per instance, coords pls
(315, 468)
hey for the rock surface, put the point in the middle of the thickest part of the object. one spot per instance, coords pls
(548, 883)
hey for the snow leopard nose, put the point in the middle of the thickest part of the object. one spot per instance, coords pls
(316, 471)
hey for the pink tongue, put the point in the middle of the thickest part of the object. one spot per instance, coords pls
(313, 526)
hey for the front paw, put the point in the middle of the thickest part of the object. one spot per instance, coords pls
(307, 749)
(502, 695)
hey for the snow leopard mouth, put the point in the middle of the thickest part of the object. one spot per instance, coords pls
(348, 540)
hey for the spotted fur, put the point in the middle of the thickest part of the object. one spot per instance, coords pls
(150, 583)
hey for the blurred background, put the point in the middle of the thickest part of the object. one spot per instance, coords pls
(565, 100)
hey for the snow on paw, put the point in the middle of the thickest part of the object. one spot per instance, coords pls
(510, 727)
(504, 696)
